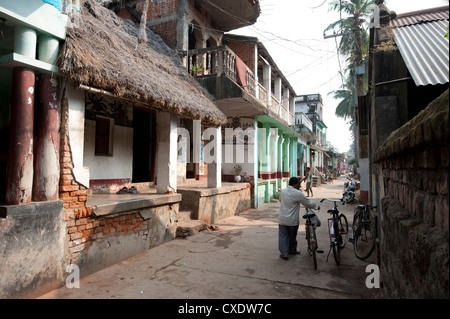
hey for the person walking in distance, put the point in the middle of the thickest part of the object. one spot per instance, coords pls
(288, 222)
(308, 179)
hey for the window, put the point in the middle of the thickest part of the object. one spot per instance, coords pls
(102, 136)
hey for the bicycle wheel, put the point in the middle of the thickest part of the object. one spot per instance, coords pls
(356, 218)
(313, 244)
(343, 230)
(336, 253)
(364, 243)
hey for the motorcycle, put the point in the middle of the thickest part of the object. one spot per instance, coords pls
(349, 190)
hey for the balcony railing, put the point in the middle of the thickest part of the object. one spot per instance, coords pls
(221, 60)
(302, 119)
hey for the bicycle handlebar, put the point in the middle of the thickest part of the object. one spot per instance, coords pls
(368, 205)
(334, 200)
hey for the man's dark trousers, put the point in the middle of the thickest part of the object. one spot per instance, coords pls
(287, 239)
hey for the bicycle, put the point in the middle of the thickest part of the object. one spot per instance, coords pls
(364, 232)
(338, 230)
(311, 236)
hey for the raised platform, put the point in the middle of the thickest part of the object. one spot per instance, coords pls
(213, 204)
(106, 204)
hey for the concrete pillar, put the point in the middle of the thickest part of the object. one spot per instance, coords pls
(48, 49)
(280, 156)
(167, 155)
(267, 81)
(215, 161)
(293, 171)
(20, 155)
(280, 160)
(255, 72)
(25, 40)
(277, 89)
(274, 152)
(268, 162)
(256, 163)
(46, 171)
(197, 147)
(286, 156)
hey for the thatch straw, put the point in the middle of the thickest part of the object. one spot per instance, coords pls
(101, 53)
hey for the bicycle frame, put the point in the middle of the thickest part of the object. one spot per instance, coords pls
(311, 237)
(364, 232)
(337, 221)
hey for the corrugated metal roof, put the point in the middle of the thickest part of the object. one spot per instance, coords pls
(415, 17)
(425, 51)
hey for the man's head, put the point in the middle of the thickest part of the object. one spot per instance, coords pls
(294, 182)
(308, 169)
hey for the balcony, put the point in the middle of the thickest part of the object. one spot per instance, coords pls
(234, 86)
(304, 126)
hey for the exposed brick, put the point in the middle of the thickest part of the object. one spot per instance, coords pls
(69, 188)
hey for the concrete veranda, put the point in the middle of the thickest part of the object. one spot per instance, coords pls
(240, 260)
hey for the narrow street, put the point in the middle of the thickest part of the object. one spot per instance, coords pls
(240, 260)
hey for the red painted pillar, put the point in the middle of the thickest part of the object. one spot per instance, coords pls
(46, 169)
(20, 155)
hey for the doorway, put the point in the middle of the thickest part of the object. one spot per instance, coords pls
(144, 146)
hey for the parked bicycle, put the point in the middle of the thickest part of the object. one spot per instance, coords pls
(364, 231)
(349, 190)
(338, 230)
(311, 223)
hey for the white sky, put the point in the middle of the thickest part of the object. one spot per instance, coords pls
(292, 32)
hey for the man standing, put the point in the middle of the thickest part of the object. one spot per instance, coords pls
(291, 198)
(308, 179)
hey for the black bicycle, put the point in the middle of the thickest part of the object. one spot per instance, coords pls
(338, 230)
(364, 231)
(311, 238)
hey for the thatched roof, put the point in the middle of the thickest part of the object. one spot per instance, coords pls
(100, 52)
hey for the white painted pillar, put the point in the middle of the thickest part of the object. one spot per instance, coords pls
(255, 72)
(197, 146)
(213, 156)
(277, 89)
(167, 137)
(256, 163)
(267, 80)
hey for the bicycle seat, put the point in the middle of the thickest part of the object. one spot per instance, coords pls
(309, 215)
(332, 211)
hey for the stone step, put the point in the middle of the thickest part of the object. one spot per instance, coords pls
(184, 215)
(190, 227)
(315, 181)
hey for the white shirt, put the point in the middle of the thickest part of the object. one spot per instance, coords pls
(291, 199)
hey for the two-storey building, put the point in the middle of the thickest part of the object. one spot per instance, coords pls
(309, 121)
(244, 80)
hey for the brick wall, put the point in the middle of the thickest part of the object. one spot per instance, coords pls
(94, 242)
(245, 50)
(161, 19)
(414, 163)
(167, 30)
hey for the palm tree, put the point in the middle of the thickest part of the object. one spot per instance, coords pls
(356, 10)
(350, 26)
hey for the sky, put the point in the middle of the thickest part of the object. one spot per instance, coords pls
(293, 33)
